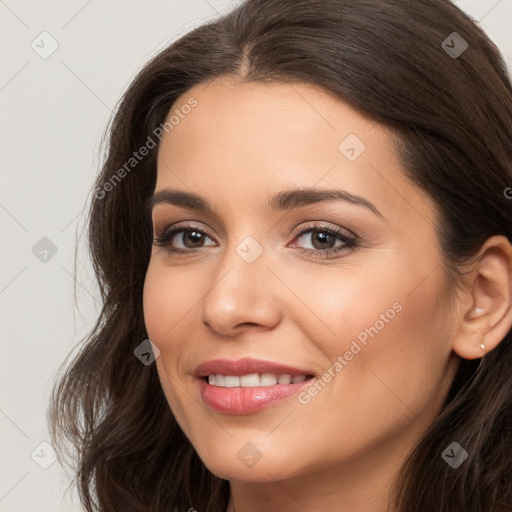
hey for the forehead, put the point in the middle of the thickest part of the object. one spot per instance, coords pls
(287, 119)
(248, 140)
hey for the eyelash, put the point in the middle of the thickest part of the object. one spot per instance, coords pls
(352, 243)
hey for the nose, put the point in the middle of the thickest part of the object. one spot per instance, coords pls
(241, 296)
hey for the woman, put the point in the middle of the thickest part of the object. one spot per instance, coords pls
(306, 207)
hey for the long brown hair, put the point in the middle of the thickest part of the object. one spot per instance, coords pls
(392, 60)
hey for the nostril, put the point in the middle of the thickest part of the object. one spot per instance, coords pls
(245, 324)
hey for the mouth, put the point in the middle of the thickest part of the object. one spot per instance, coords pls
(248, 386)
(252, 380)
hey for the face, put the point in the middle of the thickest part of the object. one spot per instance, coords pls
(321, 321)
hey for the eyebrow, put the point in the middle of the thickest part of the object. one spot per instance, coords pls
(284, 200)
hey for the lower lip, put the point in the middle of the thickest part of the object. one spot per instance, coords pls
(246, 400)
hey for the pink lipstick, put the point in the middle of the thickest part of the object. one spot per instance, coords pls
(248, 385)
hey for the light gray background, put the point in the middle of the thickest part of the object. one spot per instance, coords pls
(53, 114)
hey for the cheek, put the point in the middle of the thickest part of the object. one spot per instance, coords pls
(389, 325)
(393, 370)
(348, 301)
(169, 295)
(396, 301)
(157, 303)
(167, 298)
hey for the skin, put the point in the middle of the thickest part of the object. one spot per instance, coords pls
(242, 143)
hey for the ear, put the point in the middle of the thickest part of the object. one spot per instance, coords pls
(486, 307)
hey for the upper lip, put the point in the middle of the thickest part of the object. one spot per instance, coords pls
(245, 367)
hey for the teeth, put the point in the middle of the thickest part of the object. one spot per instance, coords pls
(252, 380)
(231, 381)
(284, 379)
(268, 379)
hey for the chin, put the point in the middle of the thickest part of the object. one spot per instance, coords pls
(263, 472)
(249, 464)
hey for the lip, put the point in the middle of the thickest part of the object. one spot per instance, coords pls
(244, 367)
(249, 400)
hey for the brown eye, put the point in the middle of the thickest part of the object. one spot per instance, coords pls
(326, 241)
(182, 239)
(322, 240)
(191, 239)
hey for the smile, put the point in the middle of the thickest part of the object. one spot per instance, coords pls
(247, 386)
(253, 380)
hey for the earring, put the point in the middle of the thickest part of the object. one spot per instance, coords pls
(482, 346)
